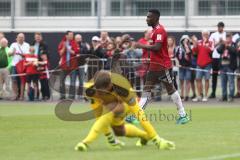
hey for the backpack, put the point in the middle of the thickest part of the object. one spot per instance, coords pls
(3, 58)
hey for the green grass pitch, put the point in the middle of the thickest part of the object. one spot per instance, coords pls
(31, 131)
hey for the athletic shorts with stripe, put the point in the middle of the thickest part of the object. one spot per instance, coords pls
(163, 76)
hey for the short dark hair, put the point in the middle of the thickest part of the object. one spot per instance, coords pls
(68, 32)
(102, 79)
(220, 24)
(155, 12)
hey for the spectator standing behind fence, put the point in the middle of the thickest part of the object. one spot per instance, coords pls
(7, 49)
(184, 54)
(235, 37)
(238, 71)
(84, 50)
(17, 50)
(40, 47)
(118, 43)
(132, 56)
(193, 72)
(30, 62)
(228, 54)
(236, 40)
(4, 71)
(217, 38)
(104, 39)
(41, 50)
(203, 50)
(110, 50)
(84, 47)
(68, 50)
(96, 48)
(42, 67)
(129, 50)
(97, 54)
(171, 52)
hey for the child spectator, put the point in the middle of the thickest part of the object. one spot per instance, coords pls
(43, 69)
(31, 61)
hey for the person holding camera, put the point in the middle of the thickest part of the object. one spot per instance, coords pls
(236, 40)
(184, 54)
(228, 64)
(217, 38)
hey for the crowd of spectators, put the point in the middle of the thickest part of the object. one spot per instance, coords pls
(25, 65)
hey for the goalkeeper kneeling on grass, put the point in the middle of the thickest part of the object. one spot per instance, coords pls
(112, 99)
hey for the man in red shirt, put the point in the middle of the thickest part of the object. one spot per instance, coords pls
(68, 50)
(160, 68)
(203, 49)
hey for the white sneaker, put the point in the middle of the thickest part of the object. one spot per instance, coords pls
(205, 99)
(197, 99)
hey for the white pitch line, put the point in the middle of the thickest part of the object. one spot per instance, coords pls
(221, 157)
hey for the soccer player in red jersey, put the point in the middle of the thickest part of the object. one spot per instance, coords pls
(160, 68)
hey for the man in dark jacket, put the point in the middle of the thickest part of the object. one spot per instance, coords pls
(96, 48)
(228, 64)
(40, 47)
(238, 69)
(84, 50)
(97, 53)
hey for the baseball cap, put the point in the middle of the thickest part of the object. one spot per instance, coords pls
(95, 38)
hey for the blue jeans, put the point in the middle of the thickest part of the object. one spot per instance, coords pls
(185, 74)
(72, 88)
(81, 77)
(227, 79)
(201, 74)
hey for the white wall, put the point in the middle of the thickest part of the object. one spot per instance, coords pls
(88, 24)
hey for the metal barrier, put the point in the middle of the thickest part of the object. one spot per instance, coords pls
(133, 69)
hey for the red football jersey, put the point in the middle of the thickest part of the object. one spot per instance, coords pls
(31, 69)
(159, 60)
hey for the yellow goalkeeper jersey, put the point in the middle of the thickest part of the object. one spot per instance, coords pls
(122, 91)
